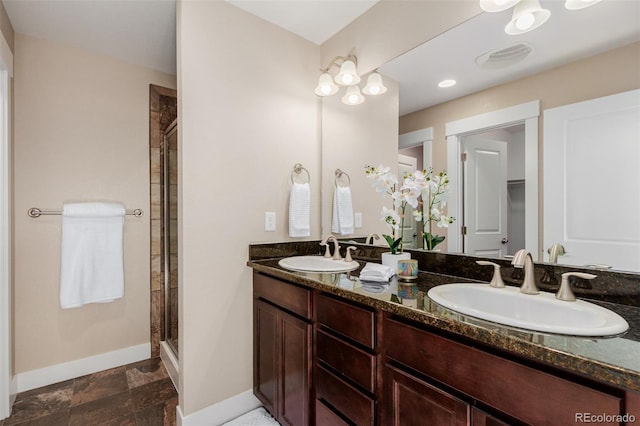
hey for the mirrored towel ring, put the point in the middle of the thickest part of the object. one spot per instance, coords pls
(297, 171)
(339, 175)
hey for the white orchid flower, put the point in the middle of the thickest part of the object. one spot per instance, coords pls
(391, 217)
(417, 215)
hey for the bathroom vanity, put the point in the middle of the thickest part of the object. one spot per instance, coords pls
(327, 352)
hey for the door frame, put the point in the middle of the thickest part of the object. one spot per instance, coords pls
(527, 113)
(8, 384)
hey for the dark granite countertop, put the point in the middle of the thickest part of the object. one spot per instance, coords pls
(613, 360)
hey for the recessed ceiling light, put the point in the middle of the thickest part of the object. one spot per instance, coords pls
(447, 83)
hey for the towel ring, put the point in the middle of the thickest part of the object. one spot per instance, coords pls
(298, 169)
(339, 174)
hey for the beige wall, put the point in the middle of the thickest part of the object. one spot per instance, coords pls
(611, 72)
(247, 114)
(353, 137)
(81, 133)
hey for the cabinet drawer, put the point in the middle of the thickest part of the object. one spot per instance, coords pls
(351, 321)
(288, 296)
(326, 417)
(353, 404)
(525, 393)
(353, 363)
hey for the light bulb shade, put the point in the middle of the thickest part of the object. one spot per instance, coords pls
(347, 75)
(353, 96)
(580, 4)
(497, 5)
(326, 86)
(374, 85)
(527, 16)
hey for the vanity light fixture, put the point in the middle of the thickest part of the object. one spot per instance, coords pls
(326, 86)
(353, 96)
(374, 86)
(527, 16)
(580, 4)
(348, 76)
(497, 5)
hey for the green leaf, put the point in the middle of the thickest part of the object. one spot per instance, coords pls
(393, 244)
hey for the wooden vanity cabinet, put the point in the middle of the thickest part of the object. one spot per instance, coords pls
(282, 349)
(516, 391)
(323, 360)
(346, 367)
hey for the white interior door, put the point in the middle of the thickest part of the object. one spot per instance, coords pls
(485, 197)
(592, 181)
(407, 165)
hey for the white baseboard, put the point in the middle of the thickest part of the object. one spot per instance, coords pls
(80, 367)
(221, 412)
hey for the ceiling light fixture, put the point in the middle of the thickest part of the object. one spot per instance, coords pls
(447, 83)
(497, 5)
(348, 76)
(527, 16)
(580, 4)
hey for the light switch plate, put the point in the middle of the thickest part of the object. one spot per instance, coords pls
(270, 221)
(358, 220)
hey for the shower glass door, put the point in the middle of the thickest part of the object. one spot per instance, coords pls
(170, 227)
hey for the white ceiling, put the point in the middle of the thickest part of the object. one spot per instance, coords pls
(566, 37)
(143, 32)
(314, 20)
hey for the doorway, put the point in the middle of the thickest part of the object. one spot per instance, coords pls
(493, 191)
(524, 114)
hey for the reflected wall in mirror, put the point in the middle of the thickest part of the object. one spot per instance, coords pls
(605, 63)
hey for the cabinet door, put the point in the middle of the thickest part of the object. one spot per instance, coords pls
(413, 402)
(265, 355)
(295, 370)
(480, 418)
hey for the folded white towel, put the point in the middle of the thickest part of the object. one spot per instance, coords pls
(376, 272)
(342, 221)
(92, 266)
(374, 287)
(299, 210)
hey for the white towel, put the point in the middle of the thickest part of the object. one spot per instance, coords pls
(299, 210)
(342, 222)
(376, 272)
(92, 267)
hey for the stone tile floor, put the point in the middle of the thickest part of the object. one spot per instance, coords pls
(138, 394)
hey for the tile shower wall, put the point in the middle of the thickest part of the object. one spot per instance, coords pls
(162, 112)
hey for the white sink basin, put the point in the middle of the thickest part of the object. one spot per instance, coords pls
(541, 312)
(317, 264)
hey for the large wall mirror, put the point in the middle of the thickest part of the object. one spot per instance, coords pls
(576, 56)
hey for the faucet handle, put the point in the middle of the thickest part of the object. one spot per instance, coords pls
(565, 293)
(496, 281)
(348, 257)
(327, 250)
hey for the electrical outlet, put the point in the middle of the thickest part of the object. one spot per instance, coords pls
(358, 220)
(270, 221)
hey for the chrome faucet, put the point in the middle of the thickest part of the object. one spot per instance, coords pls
(523, 259)
(336, 247)
(555, 251)
(371, 237)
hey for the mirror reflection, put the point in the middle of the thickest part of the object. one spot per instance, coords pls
(506, 195)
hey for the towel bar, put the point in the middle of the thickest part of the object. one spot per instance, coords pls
(36, 212)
